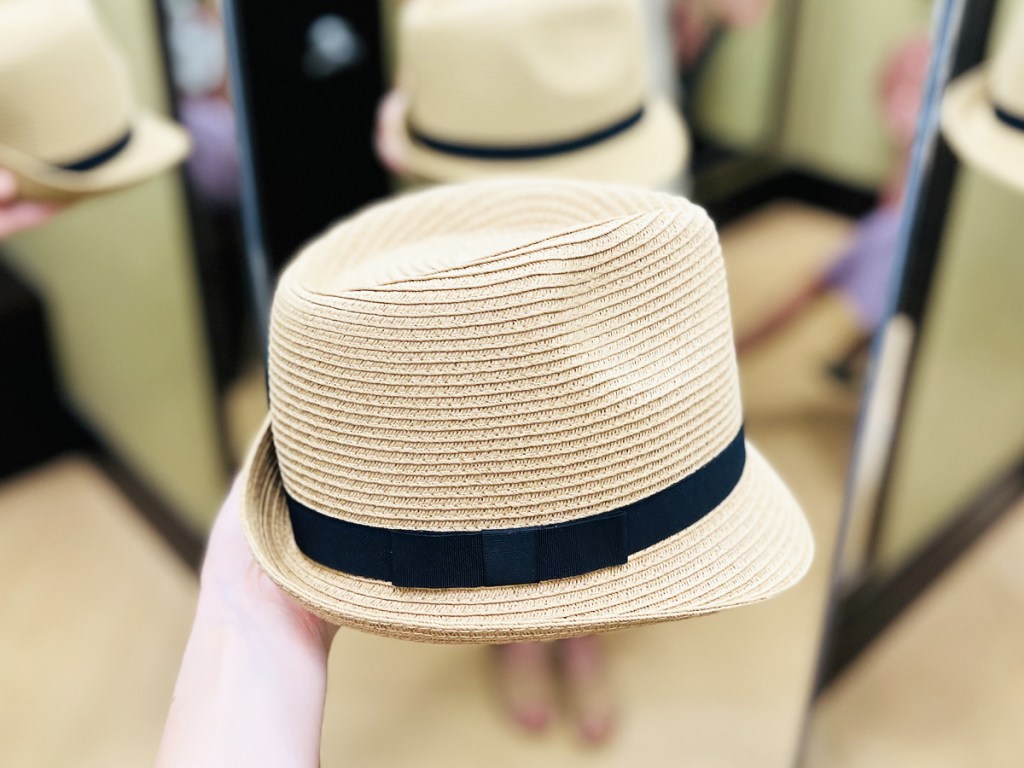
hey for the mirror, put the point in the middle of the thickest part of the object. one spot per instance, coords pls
(854, 254)
(800, 117)
(938, 460)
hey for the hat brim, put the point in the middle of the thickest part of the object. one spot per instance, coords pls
(756, 544)
(650, 153)
(156, 144)
(977, 135)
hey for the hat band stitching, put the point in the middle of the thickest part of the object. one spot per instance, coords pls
(525, 152)
(510, 556)
(1010, 119)
(99, 158)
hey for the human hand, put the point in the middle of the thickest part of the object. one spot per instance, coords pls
(390, 118)
(253, 679)
(902, 87)
(528, 674)
(16, 214)
(232, 577)
(692, 24)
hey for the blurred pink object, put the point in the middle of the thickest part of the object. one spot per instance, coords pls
(902, 87)
(18, 215)
(741, 13)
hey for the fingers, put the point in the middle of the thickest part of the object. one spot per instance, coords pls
(19, 215)
(525, 682)
(8, 187)
(691, 32)
(588, 690)
(390, 118)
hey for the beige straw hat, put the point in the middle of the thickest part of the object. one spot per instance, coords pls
(508, 410)
(983, 111)
(536, 87)
(68, 125)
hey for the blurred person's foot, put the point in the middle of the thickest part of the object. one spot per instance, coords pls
(525, 681)
(588, 689)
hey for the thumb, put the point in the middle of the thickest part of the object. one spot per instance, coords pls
(8, 187)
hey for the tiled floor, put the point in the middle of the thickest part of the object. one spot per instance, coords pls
(944, 687)
(94, 612)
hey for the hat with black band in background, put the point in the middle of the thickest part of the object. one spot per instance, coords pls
(983, 110)
(553, 88)
(69, 127)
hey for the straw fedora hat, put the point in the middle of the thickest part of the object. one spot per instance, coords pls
(536, 87)
(983, 111)
(68, 125)
(507, 410)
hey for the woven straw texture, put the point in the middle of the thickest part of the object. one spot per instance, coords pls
(510, 73)
(505, 354)
(968, 110)
(65, 96)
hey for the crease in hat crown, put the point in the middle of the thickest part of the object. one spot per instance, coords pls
(484, 360)
(537, 87)
(66, 100)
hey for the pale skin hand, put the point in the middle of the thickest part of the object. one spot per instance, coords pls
(253, 680)
(390, 117)
(17, 215)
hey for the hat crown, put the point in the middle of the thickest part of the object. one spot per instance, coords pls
(521, 72)
(1006, 79)
(64, 90)
(502, 354)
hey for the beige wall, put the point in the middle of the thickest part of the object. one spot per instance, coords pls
(738, 96)
(117, 277)
(965, 416)
(834, 121)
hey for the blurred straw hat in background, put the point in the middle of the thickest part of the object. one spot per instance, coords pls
(69, 127)
(539, 87)
(983, 111)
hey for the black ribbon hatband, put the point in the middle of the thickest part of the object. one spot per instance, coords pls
(100, 157)
(516, 555)
(527, 151)
(1010, 119)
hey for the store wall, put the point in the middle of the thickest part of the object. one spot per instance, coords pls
(833, 120)
(740, 91)
(965, 415)
(823, 72)
(117, 277)
(963, 424)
